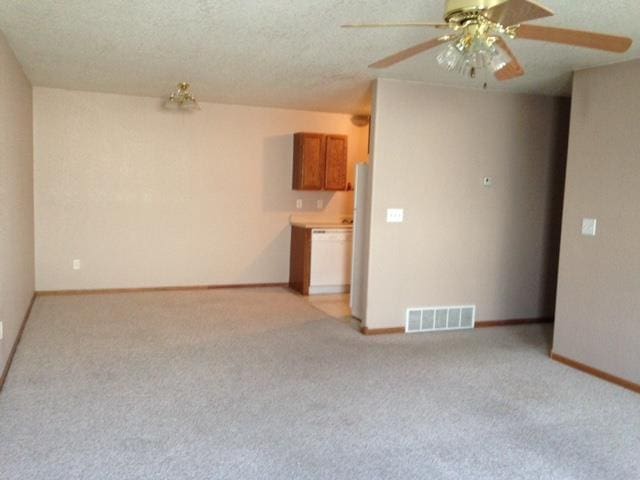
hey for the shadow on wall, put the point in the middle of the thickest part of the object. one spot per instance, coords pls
(556, 205)
(277, 173)
(272, 259)
(553, 197)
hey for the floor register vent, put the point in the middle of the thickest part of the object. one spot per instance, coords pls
(435, 319)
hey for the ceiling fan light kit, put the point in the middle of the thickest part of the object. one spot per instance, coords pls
(471, 51)
(479, 28)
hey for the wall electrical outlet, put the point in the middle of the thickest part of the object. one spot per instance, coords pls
(320, 204)
(299, 204)
(76, 264)
(395, 215)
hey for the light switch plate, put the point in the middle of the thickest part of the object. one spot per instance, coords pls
(77, 264)
(589, 227)
(320, 204)
(395, 215)
(487, 181)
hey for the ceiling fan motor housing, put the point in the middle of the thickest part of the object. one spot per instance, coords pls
(459, 11)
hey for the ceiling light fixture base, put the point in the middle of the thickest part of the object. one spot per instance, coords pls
(459, 12)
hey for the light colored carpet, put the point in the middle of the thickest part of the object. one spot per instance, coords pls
(258, 384)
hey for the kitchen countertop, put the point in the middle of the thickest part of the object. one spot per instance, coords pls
(335, 226)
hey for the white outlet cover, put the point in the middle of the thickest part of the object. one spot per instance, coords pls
(320, 204)
(395, 215)
(1, 331)
(299, 204)
(77, 264)
(589, 227)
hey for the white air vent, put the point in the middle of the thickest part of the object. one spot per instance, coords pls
(433, 319)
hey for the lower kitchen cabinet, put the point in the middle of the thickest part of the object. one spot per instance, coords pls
(320, 260)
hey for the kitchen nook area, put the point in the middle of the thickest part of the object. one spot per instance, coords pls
(325, 253)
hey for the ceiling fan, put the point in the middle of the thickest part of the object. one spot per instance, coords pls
(478, 31)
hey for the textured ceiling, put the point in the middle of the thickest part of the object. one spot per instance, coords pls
(285, 53)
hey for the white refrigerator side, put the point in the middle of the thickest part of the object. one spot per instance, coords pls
(360, 219)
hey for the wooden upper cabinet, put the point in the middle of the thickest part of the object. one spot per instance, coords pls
(308, 161)
(319, 162)
(335, 177)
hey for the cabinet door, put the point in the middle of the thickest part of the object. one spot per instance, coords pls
(336, 163)
(308, 161)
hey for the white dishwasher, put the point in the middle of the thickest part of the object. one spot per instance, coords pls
(330, 261)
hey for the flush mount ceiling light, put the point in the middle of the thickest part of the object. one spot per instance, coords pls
(477, 38)
(182, 98)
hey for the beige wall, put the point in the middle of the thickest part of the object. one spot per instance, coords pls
(16, 198)
(598, 309)
(462, 243)
(149, 197)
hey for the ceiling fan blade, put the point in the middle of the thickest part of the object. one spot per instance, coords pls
(409, 52)
(577, 38)
(511, 70)
(513, 12)
(388, 25)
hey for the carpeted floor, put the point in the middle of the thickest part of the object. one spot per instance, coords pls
(258, 384)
